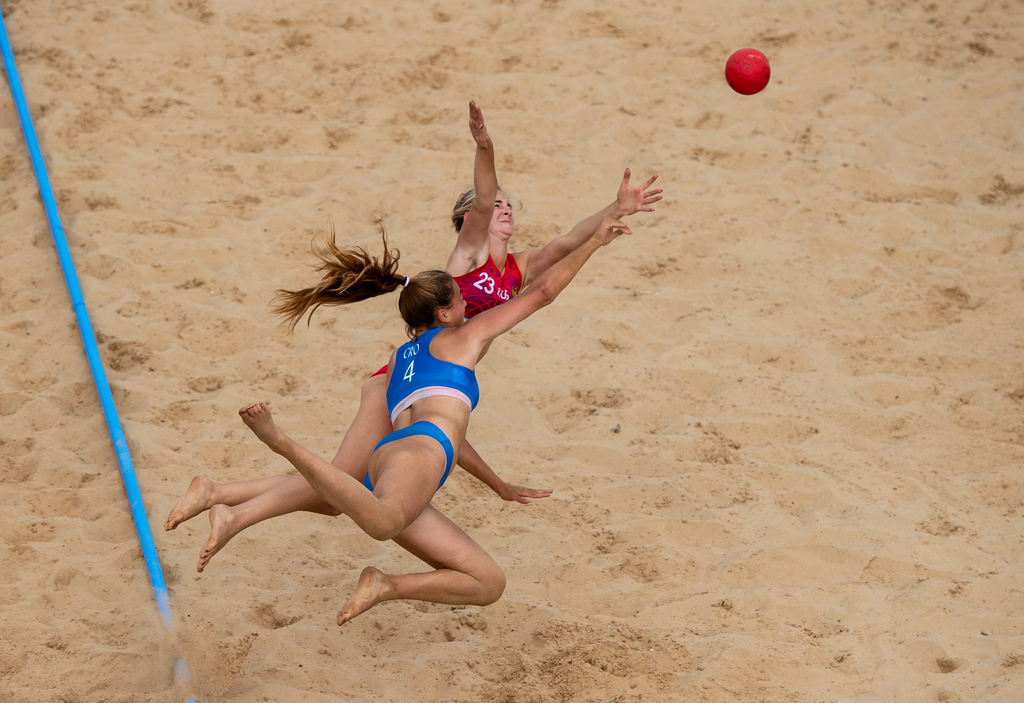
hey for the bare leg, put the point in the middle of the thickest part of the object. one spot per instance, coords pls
(353, 457)
(407, 472)
(202, 494)
(246, 503)
(264, 498)
(464, 573)
(274, 495)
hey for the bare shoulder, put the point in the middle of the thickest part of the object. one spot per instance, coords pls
(458, 345)
(524, 254)
(523, 260)
(465, 259)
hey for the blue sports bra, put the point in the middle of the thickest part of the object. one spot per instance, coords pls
(418, 374)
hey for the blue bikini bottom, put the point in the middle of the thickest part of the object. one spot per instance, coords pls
(428, 429)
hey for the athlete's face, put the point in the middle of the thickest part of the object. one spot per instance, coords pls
(457, 310)
(502, 221)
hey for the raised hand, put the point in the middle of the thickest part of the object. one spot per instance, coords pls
(610, 228)
(477, 127)
(633, 200)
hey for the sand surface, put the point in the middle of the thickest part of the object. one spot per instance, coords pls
(783, 423)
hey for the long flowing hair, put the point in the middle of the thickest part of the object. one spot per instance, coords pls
(347, 276)
(351, 275)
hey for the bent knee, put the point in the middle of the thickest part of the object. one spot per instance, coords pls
(382, 533)
(384, 527)
(492, 586)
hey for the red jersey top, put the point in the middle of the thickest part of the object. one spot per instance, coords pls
(486, 287)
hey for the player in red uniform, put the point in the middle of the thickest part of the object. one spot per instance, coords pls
(487, 287)
(488, 274)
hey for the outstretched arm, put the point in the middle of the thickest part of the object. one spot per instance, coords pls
(475, 466)
(463, 344)
(628, 201)
(471, 249)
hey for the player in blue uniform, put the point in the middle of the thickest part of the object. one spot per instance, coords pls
(431, 392)
(489, 275)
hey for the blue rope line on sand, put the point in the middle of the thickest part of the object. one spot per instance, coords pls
(124, 459)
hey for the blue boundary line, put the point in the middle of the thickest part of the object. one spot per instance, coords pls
(124, 459)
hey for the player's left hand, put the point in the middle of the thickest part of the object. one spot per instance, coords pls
(633, 200)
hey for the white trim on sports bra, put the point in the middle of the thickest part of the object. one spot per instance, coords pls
(427, 392)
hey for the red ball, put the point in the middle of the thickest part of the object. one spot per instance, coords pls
(747, 71)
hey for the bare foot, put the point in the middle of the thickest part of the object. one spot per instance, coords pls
(223, 527)
(374, 586)
(196, 500)
(257, 418)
